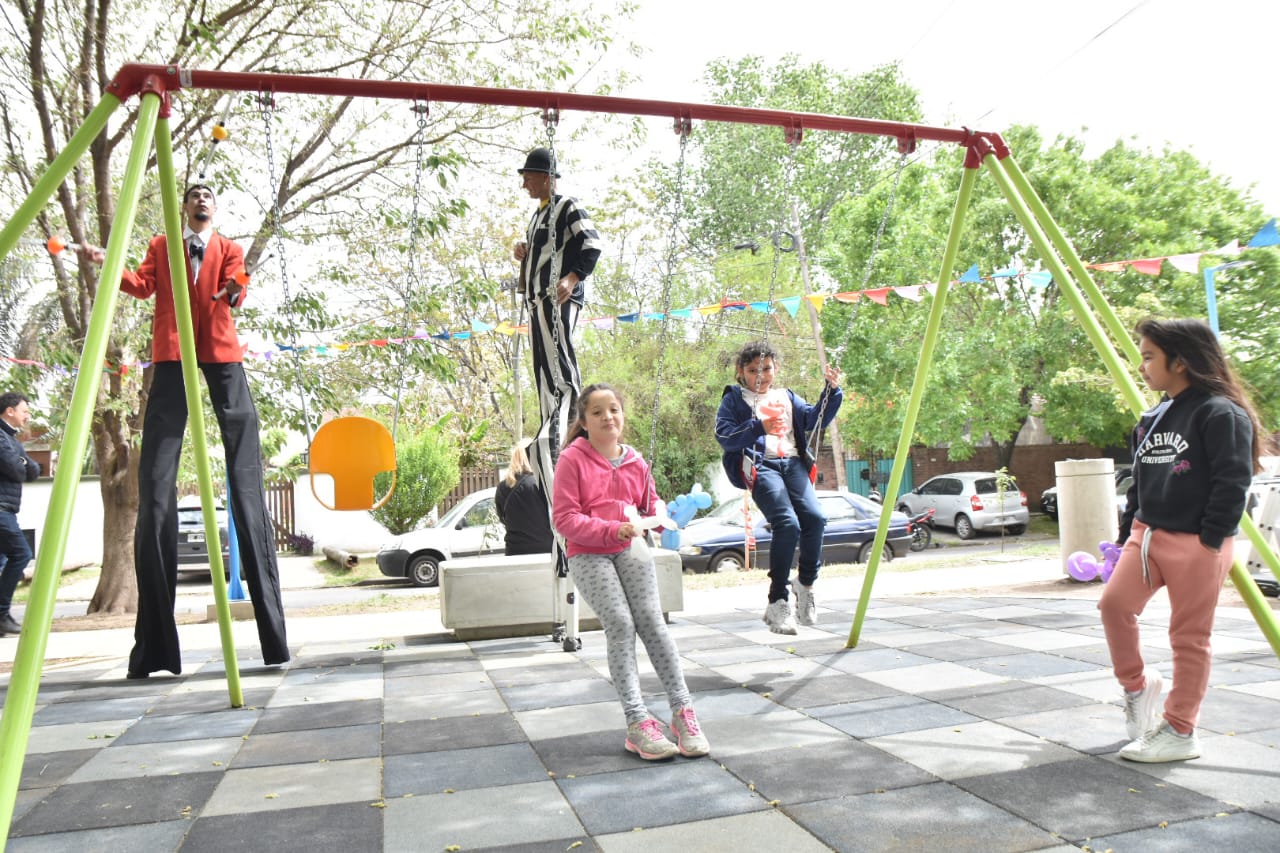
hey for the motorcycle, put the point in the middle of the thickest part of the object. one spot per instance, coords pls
(921, 528)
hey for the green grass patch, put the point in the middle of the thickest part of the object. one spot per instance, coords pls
(86, 573)
(334, 575)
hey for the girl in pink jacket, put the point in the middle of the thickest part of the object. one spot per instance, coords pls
(596, 480)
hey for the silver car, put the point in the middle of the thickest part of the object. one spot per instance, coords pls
(969, 501)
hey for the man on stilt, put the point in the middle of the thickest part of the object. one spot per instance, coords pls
(559, 251)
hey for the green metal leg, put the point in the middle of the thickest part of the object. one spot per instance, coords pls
(195, 403)
(917, 396)
(20, 700)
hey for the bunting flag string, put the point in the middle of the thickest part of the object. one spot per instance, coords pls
(1189, 263)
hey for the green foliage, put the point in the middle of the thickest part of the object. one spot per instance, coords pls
(426, 471)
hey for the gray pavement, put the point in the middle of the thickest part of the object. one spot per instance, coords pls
(977, 713)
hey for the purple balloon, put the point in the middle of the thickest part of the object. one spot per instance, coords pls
(1082, 566)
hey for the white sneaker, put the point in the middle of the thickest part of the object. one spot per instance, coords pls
(806, 607)
(778, 617)
(1140, 708)
(1161, 745)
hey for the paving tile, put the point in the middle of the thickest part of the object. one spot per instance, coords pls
(878, 659)
(658, 794)
(96, 735)
(461, 769)
(531, 812)
(832, 690)
(587, 752)
(202, 701)
(581, 844)
(331, 690)
(335, 827)
(971, 749)
(931, 677)
(953, 649)
(1007, 699)
(1232, 769)
(232, 722)
(50, 769)
(450, 733)
(402, 708)
(917, 818)
(777, 730)
(446, 666)
(716, 835)
(166, 835)
(1045, 640)
(1088, 798)
(1029, 665)
(318, 715)
(528, 697)
(157, 759)
(1239, 833)
(1057, 620)
(991, 629)
(257, 789)
(767, 675)
(88, 712)
(822, 771)
(140, 800)
(743, 653)
(901, 712)
(1092, 728)
(309, 745)
(546, 723)
(1233, 711)
(513, 676)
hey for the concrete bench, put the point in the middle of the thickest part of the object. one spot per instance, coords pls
(499, 596)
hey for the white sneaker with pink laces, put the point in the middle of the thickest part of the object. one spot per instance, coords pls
(689, 737)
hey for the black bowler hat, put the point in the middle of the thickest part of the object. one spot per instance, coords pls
(539, 160)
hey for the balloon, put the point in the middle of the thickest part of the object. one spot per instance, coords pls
(1110, 556)
(1082, 566)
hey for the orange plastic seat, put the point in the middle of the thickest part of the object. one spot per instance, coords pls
(352, 450)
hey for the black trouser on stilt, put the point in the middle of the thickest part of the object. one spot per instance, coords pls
(155, 544)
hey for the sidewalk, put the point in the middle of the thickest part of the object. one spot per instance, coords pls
(966, 719)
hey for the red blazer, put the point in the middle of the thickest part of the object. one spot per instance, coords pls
(215, 328)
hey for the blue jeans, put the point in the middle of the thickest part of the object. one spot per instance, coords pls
(784, 494)
(16, 554)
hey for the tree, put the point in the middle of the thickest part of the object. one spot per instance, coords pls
(330, 164)
(1008, 346)
(426, 471)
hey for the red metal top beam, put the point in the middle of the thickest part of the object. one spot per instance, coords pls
(134, 78)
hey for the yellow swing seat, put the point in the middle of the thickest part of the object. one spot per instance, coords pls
(352, 451)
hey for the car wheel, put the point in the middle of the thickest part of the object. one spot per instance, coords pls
(905, 510)
(1052, 513)
(1016, 529)
(964, 527)
(424, 570)
(864, 553)
(726, 561)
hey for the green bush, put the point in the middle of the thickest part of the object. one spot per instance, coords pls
(426, 471)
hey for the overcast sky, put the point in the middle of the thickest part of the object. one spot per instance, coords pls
(1198, 75)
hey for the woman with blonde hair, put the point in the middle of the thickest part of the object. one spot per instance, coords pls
(522, 508)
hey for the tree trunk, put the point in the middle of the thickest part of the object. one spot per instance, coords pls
(117, 458)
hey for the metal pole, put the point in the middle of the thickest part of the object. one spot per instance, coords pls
(20, 699)
(195, 403)
(921, 380)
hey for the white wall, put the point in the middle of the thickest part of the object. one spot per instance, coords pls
(345, 530)
(84, 539)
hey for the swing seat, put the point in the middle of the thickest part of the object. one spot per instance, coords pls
(352, 451)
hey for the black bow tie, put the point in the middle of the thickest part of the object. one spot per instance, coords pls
(196, 248)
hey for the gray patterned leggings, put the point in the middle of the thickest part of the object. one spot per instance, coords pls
(623, 591)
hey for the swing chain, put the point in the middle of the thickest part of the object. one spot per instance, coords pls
(794, 136)
(683, 127)
(266, 108)
(884, 220)
(423, 111)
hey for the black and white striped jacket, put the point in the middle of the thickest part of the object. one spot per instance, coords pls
(575, 239)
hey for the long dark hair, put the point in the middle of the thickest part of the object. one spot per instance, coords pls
(1194, 343)
(579, 425)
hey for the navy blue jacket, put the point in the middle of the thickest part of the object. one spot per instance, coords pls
(16, 468)
(741, 434)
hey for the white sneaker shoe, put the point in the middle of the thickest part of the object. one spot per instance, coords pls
(806, 607)
(1140, 708)
(1161, 745)
(778, 617)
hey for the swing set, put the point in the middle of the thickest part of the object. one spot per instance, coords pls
(154, 85)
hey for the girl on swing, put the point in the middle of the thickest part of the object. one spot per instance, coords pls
(762, 429)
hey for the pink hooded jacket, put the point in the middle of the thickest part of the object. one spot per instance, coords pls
(591, 497)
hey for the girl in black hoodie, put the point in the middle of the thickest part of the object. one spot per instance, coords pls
(1194, 456)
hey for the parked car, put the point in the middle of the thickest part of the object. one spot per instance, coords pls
(717, 542)
(969, 501)
(193, 547)
(1049, 497)
(469, 529)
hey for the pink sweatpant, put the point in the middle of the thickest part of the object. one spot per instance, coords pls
(1194, 576)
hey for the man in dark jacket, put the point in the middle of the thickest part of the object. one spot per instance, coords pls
(16, 468)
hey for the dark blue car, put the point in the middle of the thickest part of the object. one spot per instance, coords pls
(716, 542)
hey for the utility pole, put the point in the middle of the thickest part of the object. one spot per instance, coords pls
(837, 446)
